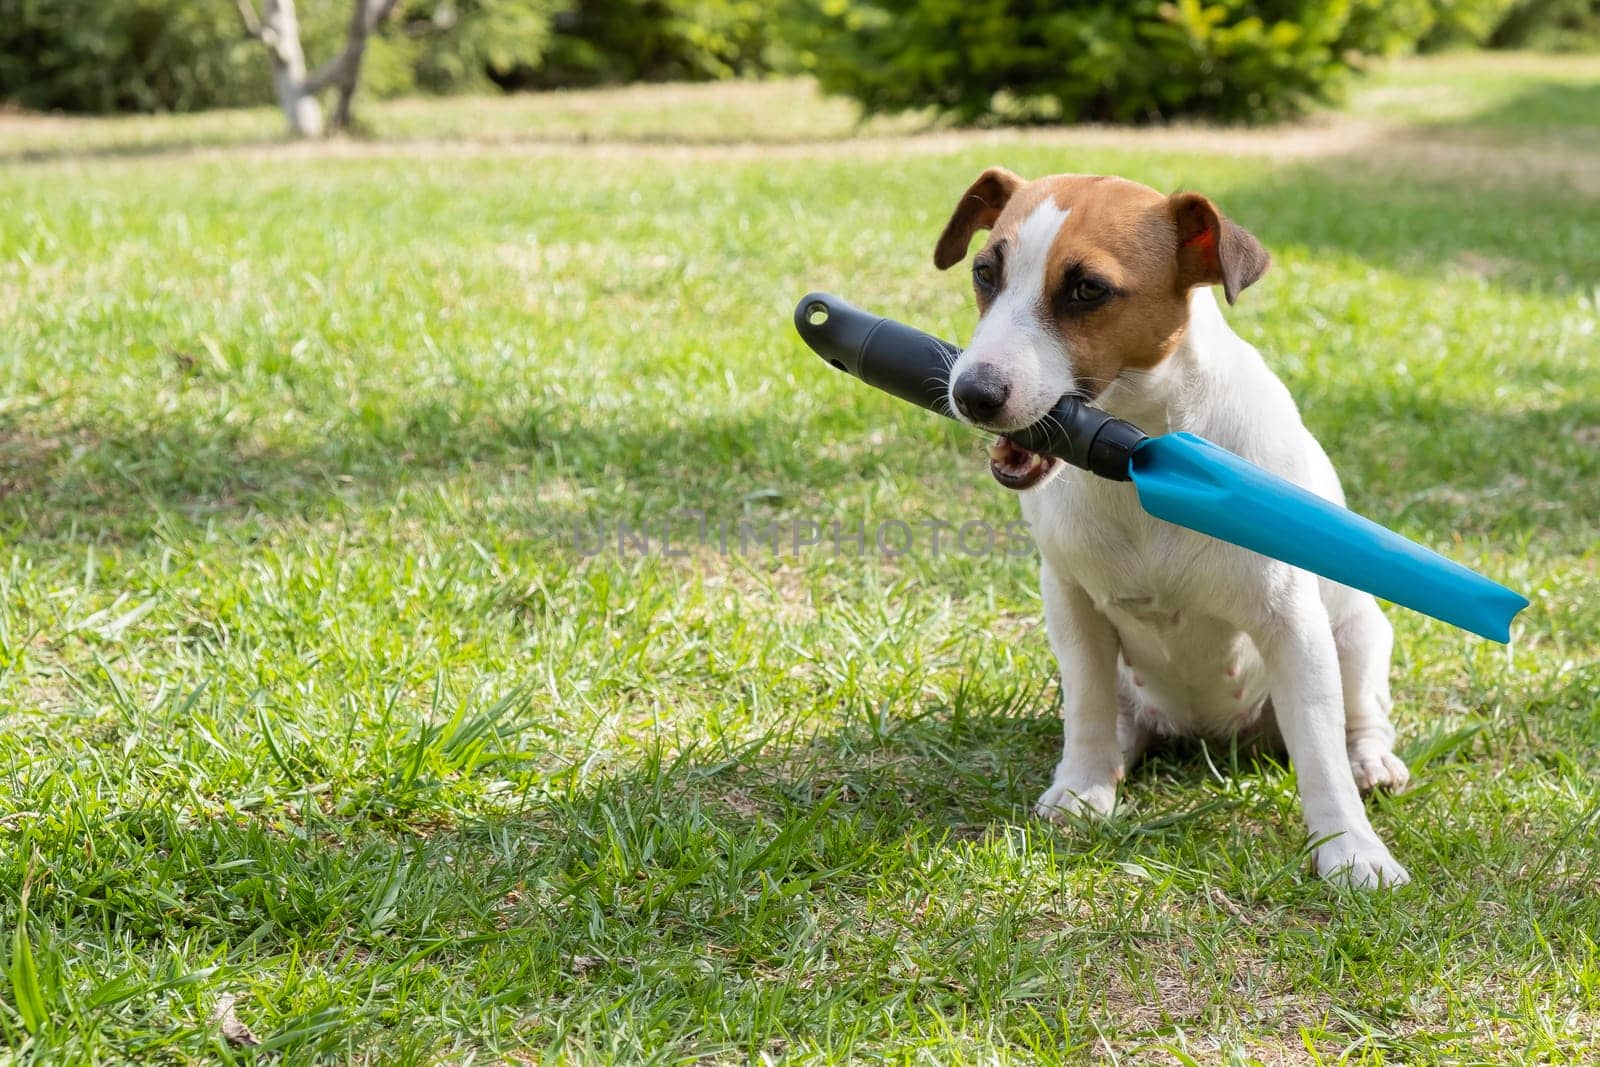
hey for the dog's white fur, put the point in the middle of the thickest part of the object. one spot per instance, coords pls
(1159, 630)
(1013, 336)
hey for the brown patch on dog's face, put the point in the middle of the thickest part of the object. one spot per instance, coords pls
(1111, 288)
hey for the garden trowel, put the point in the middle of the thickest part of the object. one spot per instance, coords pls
(1180, 478)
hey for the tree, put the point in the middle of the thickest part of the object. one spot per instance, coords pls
(277, 27)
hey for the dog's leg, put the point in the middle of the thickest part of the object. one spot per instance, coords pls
(1365, 642)
(1303, 674)
(1085, 644)
(1133, 736)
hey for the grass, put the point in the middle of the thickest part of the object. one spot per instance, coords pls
(1506, 99)
(312, 696)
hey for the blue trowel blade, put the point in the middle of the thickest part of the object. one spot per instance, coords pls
(1191, 482)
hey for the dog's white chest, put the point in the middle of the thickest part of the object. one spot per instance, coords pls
(1167, 591)
(1185, 670)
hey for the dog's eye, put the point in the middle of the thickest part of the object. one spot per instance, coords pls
(983, 276)
(1087, 291)
(1080, 294)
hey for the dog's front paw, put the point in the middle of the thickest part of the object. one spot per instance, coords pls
(1375, 767)
(1072, 798)
(1360, 862)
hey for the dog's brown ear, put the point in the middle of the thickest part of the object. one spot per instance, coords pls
(977, 210)
(1212, 249)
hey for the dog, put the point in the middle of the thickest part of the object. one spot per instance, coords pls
(1102, 287)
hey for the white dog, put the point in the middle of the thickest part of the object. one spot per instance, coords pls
(1101, 287)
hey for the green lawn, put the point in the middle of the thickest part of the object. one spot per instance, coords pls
(311, 696)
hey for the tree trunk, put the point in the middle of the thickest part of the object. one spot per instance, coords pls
(364, 17)
(280, 31)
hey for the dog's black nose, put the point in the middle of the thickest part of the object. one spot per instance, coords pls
(980, 393)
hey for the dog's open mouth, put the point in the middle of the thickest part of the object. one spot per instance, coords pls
(1015, 467)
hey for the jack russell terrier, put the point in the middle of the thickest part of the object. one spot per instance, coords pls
(1101, 287)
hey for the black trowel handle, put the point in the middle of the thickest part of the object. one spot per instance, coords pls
(915, 366)
(888, 355)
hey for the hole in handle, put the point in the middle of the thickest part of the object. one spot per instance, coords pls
(817, 313)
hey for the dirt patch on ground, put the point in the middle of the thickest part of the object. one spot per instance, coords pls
(1346, 141)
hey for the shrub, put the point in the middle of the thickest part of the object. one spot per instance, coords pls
(184, 55)
(127, 55)
(180, 55)
(618, 41)
(1562, 25)
(1107, 60)
(1464, 23)
(463, 45)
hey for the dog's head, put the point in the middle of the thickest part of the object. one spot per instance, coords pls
(1083, 278)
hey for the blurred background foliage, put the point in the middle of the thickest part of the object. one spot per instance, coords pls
(1106, 60)
(600, 42)
(1146, 60)
(1121, 60)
